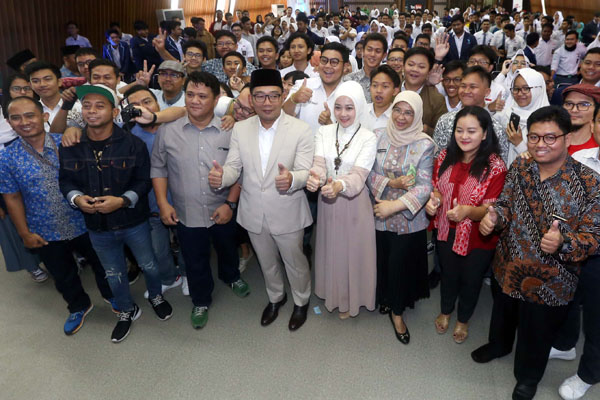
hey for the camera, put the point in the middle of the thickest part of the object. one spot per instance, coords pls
(130, 112)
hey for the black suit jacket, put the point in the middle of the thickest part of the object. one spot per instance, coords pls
(588, 32)
(468, 43)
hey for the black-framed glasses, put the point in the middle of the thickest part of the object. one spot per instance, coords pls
(84, 63)
(456, 80)
(19, 89)
(524, 89)
(333, 61)
(483, 63)
(172, 75)
(244, 109)
(194, 55)
(548, 139)
(584, 106)
(260, 98)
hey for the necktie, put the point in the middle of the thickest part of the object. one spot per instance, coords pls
(503, 40)
(484, 35)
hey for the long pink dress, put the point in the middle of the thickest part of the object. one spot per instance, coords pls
(345, 254)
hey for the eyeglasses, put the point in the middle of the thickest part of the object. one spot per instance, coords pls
(260, 98)
(403, 113)
(569, 105)
(548, 139)
(223, 44)
(456, 80)
(333, 61)
(18, 89)
(524, 89)
(193, 55)
(84, 63)
(483, 63)
(172, 75)
(242, 108)
(399, 60)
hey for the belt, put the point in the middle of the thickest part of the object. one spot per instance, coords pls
(567, 76)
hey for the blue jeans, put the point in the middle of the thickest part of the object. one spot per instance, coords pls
(161, 243)
(110, 249)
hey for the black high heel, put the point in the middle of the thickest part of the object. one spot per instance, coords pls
(383, 309)
(403, 338)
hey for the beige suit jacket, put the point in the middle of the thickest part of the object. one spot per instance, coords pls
(293, 146)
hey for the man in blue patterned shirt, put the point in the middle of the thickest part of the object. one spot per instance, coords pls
(42, 216)
(225, 42)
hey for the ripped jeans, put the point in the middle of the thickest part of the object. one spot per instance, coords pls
(109, 246)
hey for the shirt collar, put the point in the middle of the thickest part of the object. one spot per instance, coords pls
(48, 109)
(174, 100)
(567, 166)
(48, 141)
(403, 88)
(215, 122)
(274, 126)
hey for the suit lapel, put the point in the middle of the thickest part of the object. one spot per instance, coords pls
(278, 141)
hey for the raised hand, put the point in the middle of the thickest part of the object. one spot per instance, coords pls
(552, 239)
(435, 75)
(160, 40)
(442, 46)
(432, 204)
(303, 94)
(144, 76)
(215, 176)
(489, 221)
(283, 181)
(497, 105)
(314, 181)
(325, 116)
(515, 136)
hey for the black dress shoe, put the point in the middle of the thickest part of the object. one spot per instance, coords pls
(434, 279)
(486, 353)
(404, 338)
(271, 311)
(298, 317)
(384, 309)
(524, 392)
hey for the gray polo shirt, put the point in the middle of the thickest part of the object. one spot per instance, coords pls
(184, 154)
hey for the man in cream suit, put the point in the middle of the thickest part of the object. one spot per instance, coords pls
(273, 152)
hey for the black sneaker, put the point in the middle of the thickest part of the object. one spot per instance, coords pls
(161, 307)
(124, 325)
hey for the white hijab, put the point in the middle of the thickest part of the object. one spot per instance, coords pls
(510, 76)
(560, 20)
(389, 34)
(539, 99)
(355, 92)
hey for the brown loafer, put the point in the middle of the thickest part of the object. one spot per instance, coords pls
(441, 323)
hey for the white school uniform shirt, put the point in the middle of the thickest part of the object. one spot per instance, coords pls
(543, 51)
(309, 112)
(479, 36)
(589, 158)
(511, 46)
(51, 111)
(323, 32)
(371, 121)
(567, 62)
(349, 42)
(309, 70)
(244, 47)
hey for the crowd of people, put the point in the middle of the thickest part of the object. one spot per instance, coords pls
(478, 129)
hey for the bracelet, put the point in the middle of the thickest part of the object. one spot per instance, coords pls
(155, 117)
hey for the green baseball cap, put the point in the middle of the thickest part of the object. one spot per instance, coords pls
(102, 90)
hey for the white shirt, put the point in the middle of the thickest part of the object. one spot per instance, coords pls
(589, 158)
(458, 41)
(450, 108)
(371, 122)
(479, 36)
(287, 19)
(218, 25)
(323, 32)
(162, 102)
(511, 46)
(265, 142)
(496, 90)
(309, 112)
(567, 62)
(80, 41)
(497, 39)
(244, 47)
(349, 41)
(308, 71)
(116, 56)
(51, 111)
(543, 51)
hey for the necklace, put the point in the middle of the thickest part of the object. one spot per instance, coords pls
(337, 162)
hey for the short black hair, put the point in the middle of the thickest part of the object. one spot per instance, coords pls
(532, 38)
(376, 37)
(205, 78)
(387, 70)
(543, 69)
(110, 32)
(457, 17)
(234, 54)
(423, 36)
(37, 104)
(555, 114)
(244, 20)
(268, 39)
(301, 18)
(103, 61)
(71, 22)
(194, 43)
(453, 66)
(549, 26)
(295, 75)
(86, 51)
(299, 35)
(571, 32)
(595, 50)
(191, 32)
(6, 88)
(139, 25)
(340, 48)
(482, 73)
(236, 25)
(113, 24)
(396, 50)
(221, 33)
(509, 27)
(426, 26)
(40, 65)
(421, 51)
(486, 51)
(139, 88)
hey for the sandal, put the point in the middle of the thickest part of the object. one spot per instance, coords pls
(461, 332)
(344, 315)
(441, 323)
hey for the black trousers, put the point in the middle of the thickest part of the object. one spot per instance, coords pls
(537, 327)
(58, 259)
(462, 277)
(195, 248)
(587, 298)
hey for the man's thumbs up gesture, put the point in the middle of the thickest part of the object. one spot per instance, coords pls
(215, 175)
(552, 240)
(283, 181)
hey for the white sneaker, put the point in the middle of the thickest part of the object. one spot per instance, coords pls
(177, 282)
(244, 261)
(39, 275)
(573, 388)
(568, 355)
(185, 289)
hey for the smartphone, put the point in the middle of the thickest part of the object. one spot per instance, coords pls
(514, 120)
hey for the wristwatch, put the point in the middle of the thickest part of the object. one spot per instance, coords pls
(231, 204)
(126, 201)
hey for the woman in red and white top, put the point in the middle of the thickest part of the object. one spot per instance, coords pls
(467, 178)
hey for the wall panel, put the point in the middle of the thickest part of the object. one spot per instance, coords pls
(582, 10)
